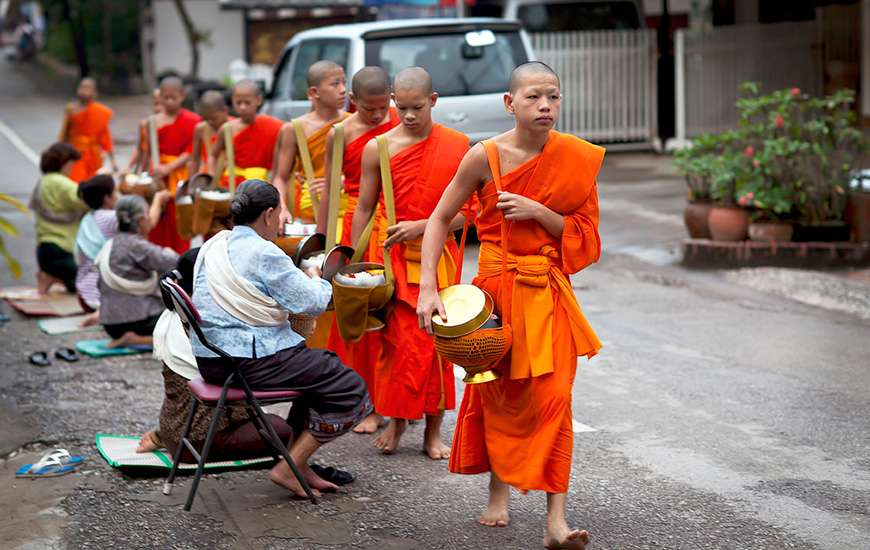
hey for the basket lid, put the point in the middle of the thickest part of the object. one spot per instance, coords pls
(334, 260)
(467, 307)
(309, 245)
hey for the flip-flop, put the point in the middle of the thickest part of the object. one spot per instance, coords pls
(53, 464)
(67, 354)
(332, 475)
(39, 358)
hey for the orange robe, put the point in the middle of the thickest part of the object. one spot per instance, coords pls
(174, 140)
(88, 131)
(520, 426)
(413, 380)
(254, 148)
(317, 149)
(364, 355)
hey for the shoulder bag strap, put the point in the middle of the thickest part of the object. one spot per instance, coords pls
(495, 167)
(389, 199)
(153, 144)
(307, 165)
(335, 185)
(231, 157)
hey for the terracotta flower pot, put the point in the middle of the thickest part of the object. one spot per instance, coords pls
(771, 231)
(696, 217)
(728, 223)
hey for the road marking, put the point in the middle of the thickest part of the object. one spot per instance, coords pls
(19, 144)
(580, 428)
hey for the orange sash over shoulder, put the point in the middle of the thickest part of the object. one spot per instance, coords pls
(520, 426)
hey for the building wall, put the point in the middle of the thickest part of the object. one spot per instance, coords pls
(226, 43)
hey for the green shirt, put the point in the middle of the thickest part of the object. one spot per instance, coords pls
(59, 194)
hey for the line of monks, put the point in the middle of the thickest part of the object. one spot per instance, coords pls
(531, 193)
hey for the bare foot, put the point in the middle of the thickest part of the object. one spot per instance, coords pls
(121, 342)
(281, 475)
(369, 424)
(316, 482)
(44, 282)
(432, 444)
(149, 442)
(496, 513)
(90, 319)
(388, 441)
(565, 538)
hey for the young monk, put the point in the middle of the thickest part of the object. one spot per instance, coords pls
(214, 111)
(175, 127)
(370, 94)
(518, 427)
(413, 380)
(253, 135)
(327, 91)
(86, 127)
(138, 160)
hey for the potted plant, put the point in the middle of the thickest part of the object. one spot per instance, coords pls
(697, 165)
(728, 220)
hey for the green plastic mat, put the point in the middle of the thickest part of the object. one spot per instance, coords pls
(97, 348)
(120, 452)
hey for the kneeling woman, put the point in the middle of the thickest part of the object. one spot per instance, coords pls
(244, 287)
(129, 266)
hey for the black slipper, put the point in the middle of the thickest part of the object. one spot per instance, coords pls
(39, 358)
(332, 475)
(67, 354)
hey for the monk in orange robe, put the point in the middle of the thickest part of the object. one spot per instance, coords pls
(138, 161)
(175, 127)
(86, 127)
(327, 91)
(214, 112)
(253, 135)
(370, 94)
(539, 200)
(413, 381)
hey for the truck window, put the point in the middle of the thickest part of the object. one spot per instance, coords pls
(441, 55)
(281, 82)
(578, 16)
(309, 52)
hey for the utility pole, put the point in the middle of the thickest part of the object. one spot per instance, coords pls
(665, 75)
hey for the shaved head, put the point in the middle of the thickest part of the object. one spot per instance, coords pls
(87, 89)
(172, 83)
(88, 81)
(212, 100)
(532, 69)
(370, 82)
(318, 71)
(413, 78)
(246, 86)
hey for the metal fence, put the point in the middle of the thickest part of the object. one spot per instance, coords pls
(608, 83)
(711, 66)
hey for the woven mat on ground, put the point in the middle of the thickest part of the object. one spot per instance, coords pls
(64, 325)
(120, 452)
(97, 348)
(55, 304)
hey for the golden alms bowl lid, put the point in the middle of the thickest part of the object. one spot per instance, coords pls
(467, 307)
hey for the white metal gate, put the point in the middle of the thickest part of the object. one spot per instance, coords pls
(711, 66)
(608, 82)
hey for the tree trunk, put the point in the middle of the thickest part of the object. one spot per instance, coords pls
(192, 37)
(77, 29)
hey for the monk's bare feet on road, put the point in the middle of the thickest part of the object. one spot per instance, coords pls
(282, 475)
(369, 424)
(388, 441)
(90, 319)
(149, 442)
(496, 513)
(432, 443)
(564, 538)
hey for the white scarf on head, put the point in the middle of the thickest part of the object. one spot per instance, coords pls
(232, 292)
(146, 287)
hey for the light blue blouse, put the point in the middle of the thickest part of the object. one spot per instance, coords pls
(274, 274)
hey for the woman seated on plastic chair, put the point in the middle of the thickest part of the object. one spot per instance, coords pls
(244, 287)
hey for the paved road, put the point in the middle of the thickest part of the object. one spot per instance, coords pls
(716, 416)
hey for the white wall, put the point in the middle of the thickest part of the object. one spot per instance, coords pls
(654, 7)
(170, 43)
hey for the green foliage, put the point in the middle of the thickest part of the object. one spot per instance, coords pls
(789, 158)
(9, 229)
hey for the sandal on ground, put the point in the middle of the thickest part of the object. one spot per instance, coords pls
(52, 464)
(332, 475)
(39, 358)
(66, 354)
